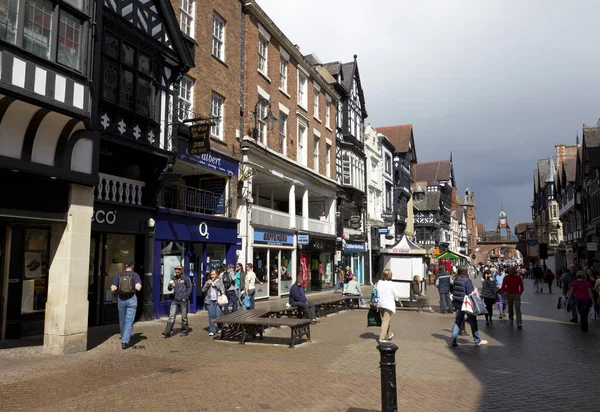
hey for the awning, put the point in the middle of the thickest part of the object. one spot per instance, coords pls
(405, 247)
(452, 255)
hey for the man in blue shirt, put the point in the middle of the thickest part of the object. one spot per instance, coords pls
(126, 284)
(298, 299)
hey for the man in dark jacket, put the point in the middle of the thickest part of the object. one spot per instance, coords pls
(298, 299)
(183, 290)
(442, 282)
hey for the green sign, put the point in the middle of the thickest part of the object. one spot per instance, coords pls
(199, 139)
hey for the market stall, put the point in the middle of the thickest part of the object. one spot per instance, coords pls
(405, 261)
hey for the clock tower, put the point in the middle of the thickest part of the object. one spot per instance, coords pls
(503, 224)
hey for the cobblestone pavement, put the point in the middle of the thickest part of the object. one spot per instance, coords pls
(520, 370)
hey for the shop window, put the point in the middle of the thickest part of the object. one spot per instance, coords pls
(216, 256)
(285, 274)
(171, 255)
(119, 248)
(35, 274)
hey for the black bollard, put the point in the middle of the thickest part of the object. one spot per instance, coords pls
(387, 363)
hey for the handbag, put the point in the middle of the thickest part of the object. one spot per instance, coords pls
(247, 302)
(467, 306)
(478, 305)
(222, 300)
(373, 318)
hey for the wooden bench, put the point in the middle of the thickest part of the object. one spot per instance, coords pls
(330, 304)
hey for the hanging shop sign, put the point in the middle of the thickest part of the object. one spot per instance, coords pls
(303, 239)
(199, 139)
(355, 222)
(383, 230)
(387, 216)
(273, 237)
(359, 237)
(355, 247)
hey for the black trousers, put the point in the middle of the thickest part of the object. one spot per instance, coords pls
(308, 308)
(489, 305)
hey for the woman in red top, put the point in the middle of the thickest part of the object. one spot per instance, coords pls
(581, 291)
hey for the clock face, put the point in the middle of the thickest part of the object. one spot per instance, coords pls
(502, 221)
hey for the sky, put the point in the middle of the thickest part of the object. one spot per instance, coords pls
(497, 83)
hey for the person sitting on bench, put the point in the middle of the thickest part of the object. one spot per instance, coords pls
(354, 290)
(298, 299)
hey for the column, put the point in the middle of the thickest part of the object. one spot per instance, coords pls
(305, 209)
(292, 207)
(244, 211)
(332, 215)
(66, 324)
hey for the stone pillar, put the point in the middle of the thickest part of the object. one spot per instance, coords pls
(332, 215)
(305, 209)
(66, 322)
(292, 207)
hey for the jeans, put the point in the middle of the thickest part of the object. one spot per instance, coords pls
(460, 318)
(183, 306)
(489, 305)
(445, 303)
(233, 300)
(308, 308)
(251, 294)
(549, 287)
(337, 286)
(500, 300)
(573, 305)
(214, 311)
(362, 301)
(514, 304)
(583, 307)
(127, 309)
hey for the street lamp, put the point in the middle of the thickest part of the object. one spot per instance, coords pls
(269, 118)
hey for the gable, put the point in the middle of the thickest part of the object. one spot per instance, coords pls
(156, 19)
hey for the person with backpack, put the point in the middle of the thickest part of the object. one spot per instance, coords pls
(183, 290)
(231, 290)
(126, 284)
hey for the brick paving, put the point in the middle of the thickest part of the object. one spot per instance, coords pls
(337, 371)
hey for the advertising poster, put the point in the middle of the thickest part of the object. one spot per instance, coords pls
(304, 269)
(33, 265)
(169, 263)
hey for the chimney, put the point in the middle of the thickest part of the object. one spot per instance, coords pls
(297, 46)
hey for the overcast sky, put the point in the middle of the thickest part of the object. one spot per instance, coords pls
(497, 83)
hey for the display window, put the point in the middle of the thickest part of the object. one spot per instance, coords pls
(273, 267)
(35, 271)
(119, 249)
(216, 256)
(172, 255)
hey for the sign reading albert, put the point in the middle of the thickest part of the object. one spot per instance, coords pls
(199, 139)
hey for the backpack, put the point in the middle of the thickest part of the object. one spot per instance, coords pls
(226, 280)
(126, 286)
(373, 301)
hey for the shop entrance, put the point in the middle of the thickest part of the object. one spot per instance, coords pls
(273, 267)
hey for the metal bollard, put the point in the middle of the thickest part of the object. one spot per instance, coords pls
(387, 363)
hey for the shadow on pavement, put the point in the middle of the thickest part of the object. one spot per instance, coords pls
(369, 335)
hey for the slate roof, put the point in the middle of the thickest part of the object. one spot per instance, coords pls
(570, 166)
(591, 136)
(459, 213)
(347, 71)
(432, 172)
(521, 227)
(431, 202)
(399, 136)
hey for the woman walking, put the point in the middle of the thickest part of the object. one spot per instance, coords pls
(489, 291)
(386, 302)
(212, 289)
(581, 291)
(463, 286)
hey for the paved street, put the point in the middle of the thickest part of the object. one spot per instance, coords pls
(337, 371)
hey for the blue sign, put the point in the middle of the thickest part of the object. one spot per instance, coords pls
(302, 239)
(214, 161)
(273, 237)
(383, 230)
(195, 229)
(355, 247)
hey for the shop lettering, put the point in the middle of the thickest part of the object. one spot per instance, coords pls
(208, 158)
(275, 237)
(203, 230)
(101, 217)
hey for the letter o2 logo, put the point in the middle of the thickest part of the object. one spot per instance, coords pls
(203, 229)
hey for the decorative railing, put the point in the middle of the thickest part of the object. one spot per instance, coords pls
(119, 189)
(318, 226)
(191, 199)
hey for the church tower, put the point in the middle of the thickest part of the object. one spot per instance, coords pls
(502, 224)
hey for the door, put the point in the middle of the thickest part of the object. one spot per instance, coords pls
(94, 280)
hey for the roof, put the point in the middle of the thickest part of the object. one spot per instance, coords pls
(569, 166)
(591, 136)
(521, 227)
(399, 136)
(502, 214)
(459, 214)
(334, 67)
(430, 202)
(449, 254)
(433, 172)
(405, 247)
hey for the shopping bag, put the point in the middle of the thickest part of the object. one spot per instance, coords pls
(247, 302)
(559, 305)
(478, 305)
(467, 306)
(222, 300)
(373, 301)
(373, 318)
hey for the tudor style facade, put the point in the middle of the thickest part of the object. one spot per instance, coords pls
(350, 167)
(48, 167)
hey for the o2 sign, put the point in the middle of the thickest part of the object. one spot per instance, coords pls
(101, 217)
(203, 230)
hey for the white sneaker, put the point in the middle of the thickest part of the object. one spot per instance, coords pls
(211, 334)
(391, 336)
(482, 342)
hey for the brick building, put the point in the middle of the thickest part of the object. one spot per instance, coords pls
(288, 190)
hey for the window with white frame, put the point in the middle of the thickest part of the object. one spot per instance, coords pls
(261, 114)
(216, 112)
(218, 37)
(316, 104)
(186, 98)
(302, 148)
(282, 132)
(263, 55)
(302, 89)
(328, 113)
(328, 161)
(346, 169)
(388, 163)
(316, 154)
(186, 17)
(283, 73)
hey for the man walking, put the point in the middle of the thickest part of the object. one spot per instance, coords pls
(181, 298)
(298, 299)
(442, 282)
(126, 284)
(512, 285)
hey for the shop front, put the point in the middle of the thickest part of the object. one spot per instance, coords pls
(316, 261)
(273, 254)
(199, 243)
(118, 234)
(353, 256)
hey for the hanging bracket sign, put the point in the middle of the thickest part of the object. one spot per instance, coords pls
(199, 138)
